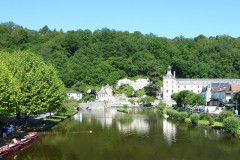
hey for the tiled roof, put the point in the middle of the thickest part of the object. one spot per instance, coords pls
(235, 87)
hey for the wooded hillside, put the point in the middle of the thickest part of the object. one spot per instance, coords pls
(103, 56)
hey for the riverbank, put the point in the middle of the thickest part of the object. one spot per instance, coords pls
(41, 125)
(200, 122)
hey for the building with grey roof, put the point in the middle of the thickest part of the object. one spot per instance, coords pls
(171, 85)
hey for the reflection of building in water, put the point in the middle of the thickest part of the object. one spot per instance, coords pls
(78, 116)
(169, 131)
(105, 116)
(138, 124)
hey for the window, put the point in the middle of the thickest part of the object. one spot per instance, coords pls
(184, 86)
(178, 86)
(198, 86)
(172, 91)
(198, 91)
(167, 91)
(167, 82)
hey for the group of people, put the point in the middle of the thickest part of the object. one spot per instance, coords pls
(7, 131)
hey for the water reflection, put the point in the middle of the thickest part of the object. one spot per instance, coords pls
(137, 124)
(138, 136)
(169, 131)
(125, 123)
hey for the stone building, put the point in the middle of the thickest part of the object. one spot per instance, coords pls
(171, 85)
(106, 94)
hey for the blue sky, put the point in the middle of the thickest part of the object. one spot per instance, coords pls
(164, 18)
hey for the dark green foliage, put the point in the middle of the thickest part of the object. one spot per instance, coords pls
(194, 118)
(126, 89)
(182, 115)
(140, 93)
(172, 113)
(186, 97)
(231, 125)
(225, 114)
(146, 101)
(89, 97)
(129, 91)
(203, 116)
(104, 56)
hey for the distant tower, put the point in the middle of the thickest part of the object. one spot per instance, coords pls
(168, 84)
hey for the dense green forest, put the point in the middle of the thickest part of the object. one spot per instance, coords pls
(95, 58)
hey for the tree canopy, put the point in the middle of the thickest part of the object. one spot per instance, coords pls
(186, 97)
(40, 88)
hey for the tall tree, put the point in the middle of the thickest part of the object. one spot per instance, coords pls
(41, 90)
(9, 91)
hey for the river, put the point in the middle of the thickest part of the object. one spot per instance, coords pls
(143, 135)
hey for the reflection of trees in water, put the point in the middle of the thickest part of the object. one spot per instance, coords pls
(229, 144)
(125, 121)
(169, 131)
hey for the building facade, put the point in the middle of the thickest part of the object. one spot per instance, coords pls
(74, 94)
(106, 94)
(171, 85)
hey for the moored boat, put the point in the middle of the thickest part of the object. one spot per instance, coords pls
(15, 145)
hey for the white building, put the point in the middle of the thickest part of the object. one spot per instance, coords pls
(171, 85)
(75, 94)
(106, 94)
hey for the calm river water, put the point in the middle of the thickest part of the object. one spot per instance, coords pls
(143, 135)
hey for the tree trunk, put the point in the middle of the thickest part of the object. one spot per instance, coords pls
(18, 115)
(26, 118)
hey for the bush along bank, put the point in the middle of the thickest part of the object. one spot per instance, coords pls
(225, 120)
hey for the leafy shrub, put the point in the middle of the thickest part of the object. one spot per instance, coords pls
(129, 91)
(182, 115)
(140, 93)
(132, 101)
(169, 111)
(161, 107)
(175, 114)
(231, 125)
(211, 121)
(125, 106)
(203, 116)
(172, 113)
(225, 114)
(194, 118)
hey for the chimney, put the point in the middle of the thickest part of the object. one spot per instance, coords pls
(174, 74)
